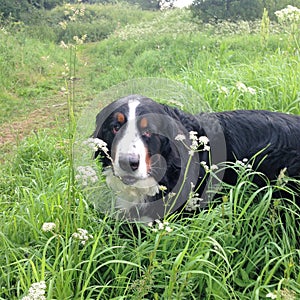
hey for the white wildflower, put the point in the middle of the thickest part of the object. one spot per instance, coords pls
(241, 86)
(251, 90)
(48, 226)
(214, 167)
(203, 140)
(161, 226)
(194, 145)
(171, 195)
(72, 18)
(193, 203)
(180, 137)
(162, 188)
(204, 165)
(271, 295)
(168, 229)
(86, 175)
(36, 291)
(98, 144)
(78, 40)
(243, 163)
(193, 135)
(223, 90)
(63, 45)
(194, 139)
(82, 235)
(206, 148)
(289, 14)
(63, 25)
(82, 11)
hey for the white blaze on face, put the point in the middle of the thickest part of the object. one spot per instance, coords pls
(130, 144)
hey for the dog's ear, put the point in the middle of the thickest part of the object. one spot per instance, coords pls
(102, 132)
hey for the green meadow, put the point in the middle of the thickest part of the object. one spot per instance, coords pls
(52, 234)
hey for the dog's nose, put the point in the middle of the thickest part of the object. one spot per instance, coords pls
(129, 162)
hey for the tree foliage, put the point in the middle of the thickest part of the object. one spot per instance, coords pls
(237, 9)
(23, 9)
(18, 8)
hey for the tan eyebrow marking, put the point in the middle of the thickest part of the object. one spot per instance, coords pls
(144, 123)
(120, 117)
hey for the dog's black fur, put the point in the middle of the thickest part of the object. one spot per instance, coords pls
(273, 137)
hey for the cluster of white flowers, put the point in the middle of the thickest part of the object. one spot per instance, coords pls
(180, 137)
(226, 27)
(196, 142)
(223, 90)
(161, 226)
(243, 88)
(162, 188)
(82, 235)
(65, 73)
(289, 14)
(194, 139)
(79, 40)
(36, 291)
(48, 226)
(86, 175)
(176, 24)
(193, 203)
(72, 11)
(201, 141)
(204, 165)
(244, 163)
(97, 144)
(271, 295)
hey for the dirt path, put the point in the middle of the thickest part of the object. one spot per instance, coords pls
(52, 113)
(45, 117)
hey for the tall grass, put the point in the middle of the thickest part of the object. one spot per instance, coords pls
(246, 247)
(29, 69)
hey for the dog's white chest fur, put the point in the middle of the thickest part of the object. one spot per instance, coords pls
(130, 195)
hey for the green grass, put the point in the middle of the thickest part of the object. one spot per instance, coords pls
(239, 249)
(30, 69)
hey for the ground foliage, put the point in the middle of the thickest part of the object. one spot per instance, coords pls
(247, 247)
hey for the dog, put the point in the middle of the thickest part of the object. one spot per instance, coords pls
(155, 156)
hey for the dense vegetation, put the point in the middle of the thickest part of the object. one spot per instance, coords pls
(245, 248)
(237, 9)
(22, 10)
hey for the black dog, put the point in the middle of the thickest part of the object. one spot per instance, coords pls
(154, 154)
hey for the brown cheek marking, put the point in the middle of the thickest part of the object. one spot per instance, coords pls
(148, 160)
(120, 117)
(144, 123)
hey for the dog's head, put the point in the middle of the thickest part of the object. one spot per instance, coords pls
(144, 158)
